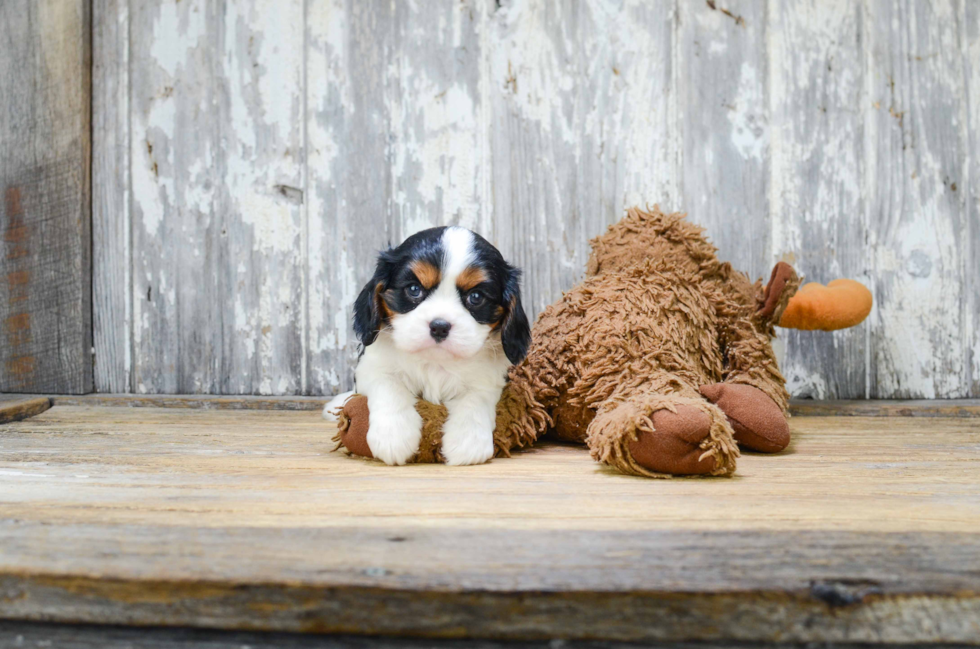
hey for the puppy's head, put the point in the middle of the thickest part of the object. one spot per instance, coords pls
(448, 290)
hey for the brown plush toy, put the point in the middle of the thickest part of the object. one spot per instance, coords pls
(659, 361)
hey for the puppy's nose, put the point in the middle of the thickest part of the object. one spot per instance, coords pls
(439, 329)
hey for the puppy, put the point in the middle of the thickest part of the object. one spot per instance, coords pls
(442, 320)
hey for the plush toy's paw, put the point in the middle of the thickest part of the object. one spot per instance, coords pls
(675, 446)
(758, 422)
(354, 423)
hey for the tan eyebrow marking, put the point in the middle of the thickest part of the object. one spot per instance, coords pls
(470, 277)
(381, 303)
(427, 274)
(498, 315)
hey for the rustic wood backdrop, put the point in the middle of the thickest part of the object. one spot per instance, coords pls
(45, 200)
(250, 158)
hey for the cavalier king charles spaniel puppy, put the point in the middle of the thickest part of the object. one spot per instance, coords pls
(442, 320)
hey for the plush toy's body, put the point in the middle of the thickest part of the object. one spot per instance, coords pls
(658, 361)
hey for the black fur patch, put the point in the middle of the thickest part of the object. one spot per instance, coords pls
(390, 290)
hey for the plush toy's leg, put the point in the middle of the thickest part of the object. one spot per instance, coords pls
(355, 418)
(759, 424)
(659, 435)
(352, 426)
(524, 410)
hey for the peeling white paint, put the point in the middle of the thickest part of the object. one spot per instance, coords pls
(264, 176)
(749, 128)
(177, 30)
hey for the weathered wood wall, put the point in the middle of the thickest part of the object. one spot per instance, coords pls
(253, 156)
(45, 208)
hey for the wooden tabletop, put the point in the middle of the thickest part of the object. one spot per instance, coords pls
(867, 529)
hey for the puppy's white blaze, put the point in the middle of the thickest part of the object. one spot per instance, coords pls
(410, 331)
(458, 245)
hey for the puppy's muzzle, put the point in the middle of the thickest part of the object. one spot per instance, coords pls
(439, 330)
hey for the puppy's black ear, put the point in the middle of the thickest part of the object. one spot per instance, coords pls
(369, 312)
(515, 332)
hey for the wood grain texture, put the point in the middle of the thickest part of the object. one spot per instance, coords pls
(19, 409)
(31, 635)
(818, 208)
(112, 281)
(581, 109)
(205, 401)
(971, 304)
(218, 175)
(798, 407)
(879, 408)
(298, 139)
(723, 113)
(220, 519)
(917, 163)
(45, 166)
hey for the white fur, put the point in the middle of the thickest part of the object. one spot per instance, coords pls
(466, 372)
(334, 405)
(410, 331)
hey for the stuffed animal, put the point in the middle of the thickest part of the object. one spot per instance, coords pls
(659, 361)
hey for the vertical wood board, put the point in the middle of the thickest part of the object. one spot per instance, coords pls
(218, 175)
(581, 127)
(723, 115)
(917, 164)
(112, 298)
(816, 196)
(45, 234)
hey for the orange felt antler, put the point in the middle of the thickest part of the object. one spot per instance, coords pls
(840, 304)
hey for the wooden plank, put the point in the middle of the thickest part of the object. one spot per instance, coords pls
(16, 410)
(203, 401)
(15, 635)
(29, 634)
(174, 126)
(917, 158)
(798, 407)
(45, 255)
(112, 289)
(396, 125)
(723, 114)
(817, 145)
(349, 180)
(883, 408)
(581, 129)
(971, 305)
(218, 519)
(280, 462)
(217, 173)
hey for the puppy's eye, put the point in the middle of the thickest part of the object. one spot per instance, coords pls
(414, 291)
(475, 298)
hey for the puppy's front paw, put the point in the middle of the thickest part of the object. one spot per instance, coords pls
(465, 446)
(394, 437)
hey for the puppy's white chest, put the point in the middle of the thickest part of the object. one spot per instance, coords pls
(437, 384)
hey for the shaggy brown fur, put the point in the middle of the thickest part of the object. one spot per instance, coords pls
(657, 317)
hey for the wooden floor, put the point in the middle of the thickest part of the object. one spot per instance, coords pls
(866, 529)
